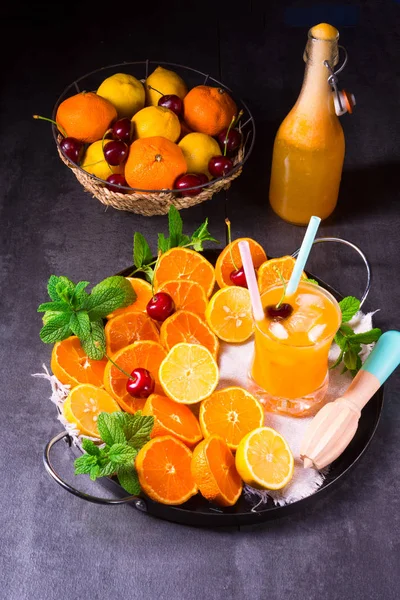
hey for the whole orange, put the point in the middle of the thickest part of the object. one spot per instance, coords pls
(154, 163)
(86, 116)
(208, 109)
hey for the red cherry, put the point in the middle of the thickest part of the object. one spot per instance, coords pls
(122, 130)
(160, 307)
(72, 148)
(140, 384)
(220, 165)
(278, 314)
(172, 102)
(116, 179)
(183, 182)
(238, 277)
(115, 152)
(231, 140)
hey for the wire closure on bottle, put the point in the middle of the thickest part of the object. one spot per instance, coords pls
(333, 77)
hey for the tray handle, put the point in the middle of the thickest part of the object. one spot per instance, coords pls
(358, 250)
(139, 503)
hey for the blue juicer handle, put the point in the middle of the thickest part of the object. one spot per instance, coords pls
(385, 357)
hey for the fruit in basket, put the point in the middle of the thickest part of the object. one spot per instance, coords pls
(271, 271)
(140, 384)
(125, 92)
(198, 149)
(186, 326)
(163, 82)
(229, 139)
(163, 468)
(214, 471)
(189, 373)
(122, 130)
(127, 328)
(186, 294)
(229, 314)
(156, 121)
(230, 413)
(115, 152)
(71, 365)
(220, 166)
(160, 306)
(185, 130)
(172, 418)
(264, 459)
(85, 116)
(115, 181)
(83, 405)
(208, 109)
(183, 263)
(154, 163)
(229, 260)
(190, 180)
(173, 102)
(94, 162)
(144, 354)
(73, 148)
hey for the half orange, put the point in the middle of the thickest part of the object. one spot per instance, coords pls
(186, 326)
(71, 365)
(182, 263)
(268, 273)
(187, 295)
(127, 328)
(172, 418)
(143, 293)
(229, 260)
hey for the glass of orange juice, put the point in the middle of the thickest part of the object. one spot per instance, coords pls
(290, 362)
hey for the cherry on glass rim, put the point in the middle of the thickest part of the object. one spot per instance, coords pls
(278, 314)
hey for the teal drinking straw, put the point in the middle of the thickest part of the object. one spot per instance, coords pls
(303, 256)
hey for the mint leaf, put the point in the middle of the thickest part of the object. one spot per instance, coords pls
(94, 472)
(108, 295)
(79, 295)
(52, 287)
(350, 359)
(56, 306)
(358, 366)
(56, 329)
(122, 454)
(367, 337)
(148, 273)
(80, 324)
(340, 340)
(338, 360)
(128, 479)
(137, 429)
(201, 235)
(163, 243)
(107, 470)
(110, 429)
(349, 307)
(312, 281)
(175, 226)
(84, 464)
(64, 289)
(94, 344)
(141, 251)
(346, 329)
(90, 447)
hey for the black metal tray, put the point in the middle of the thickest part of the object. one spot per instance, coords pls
(198, 511)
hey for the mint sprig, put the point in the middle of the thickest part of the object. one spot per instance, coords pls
(350, 342)
(142, 255)
(123, 435)
(74, 311)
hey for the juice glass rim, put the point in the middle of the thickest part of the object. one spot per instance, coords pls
(312, 286)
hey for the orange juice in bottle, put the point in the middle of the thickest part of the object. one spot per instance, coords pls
(309, 145)
(290, 363)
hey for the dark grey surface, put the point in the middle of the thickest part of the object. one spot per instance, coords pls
(56, 546)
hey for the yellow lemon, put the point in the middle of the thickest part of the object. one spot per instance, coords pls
(156, 121)
(125, 92)
(197, 149)
(95, 163)
(162, 82)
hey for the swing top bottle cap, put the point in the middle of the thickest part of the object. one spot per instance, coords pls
(323, 31)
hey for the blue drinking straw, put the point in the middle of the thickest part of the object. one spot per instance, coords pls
(303, 256)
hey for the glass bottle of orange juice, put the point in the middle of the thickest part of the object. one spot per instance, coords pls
(309, 146)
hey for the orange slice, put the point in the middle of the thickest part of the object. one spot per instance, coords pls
(230, 413)
(128, 328)
(84, 404)
(163, 468)
(187, 295)
(229, 314)
(214, 471)
(229, 260)
(145, 354)
(189, 373)
(172, 418)
(186, 326)
(143, 293)
(264, 459)
(72, 366)
(267, 274)
(182, 263)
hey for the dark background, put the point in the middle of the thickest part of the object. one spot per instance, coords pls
(346, 546)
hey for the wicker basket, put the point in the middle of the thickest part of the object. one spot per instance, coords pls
(154, 202)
